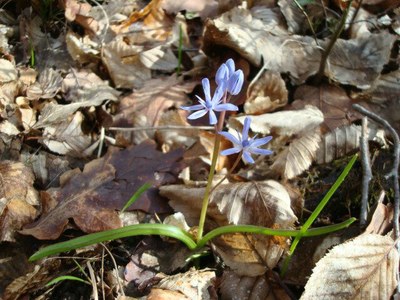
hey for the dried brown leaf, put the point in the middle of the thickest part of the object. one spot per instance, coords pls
(205, 8)
(46, 87)
(363, 268)
(8, 72)
(67, 137)
(91, 197)
(194, 284)
(234, 286)
(146, 106)
(84, 85)
(283, 123)
(18, 198)
(298, 156)
(266, 94)
(332, 100)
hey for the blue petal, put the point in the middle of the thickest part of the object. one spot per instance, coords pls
(230, 151)
(222, 75)
(230, 137)
(231, 66)
(206, 88)
(235, 82)
(260, 151)
(246, 127)
(226, 106)
(217, 97)
(247, 157)
(260, 142)
(193, 107)
(197, 114)
(212, 117)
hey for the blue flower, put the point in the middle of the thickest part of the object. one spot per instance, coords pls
(209, 105)
(229, 79)
(245, 144)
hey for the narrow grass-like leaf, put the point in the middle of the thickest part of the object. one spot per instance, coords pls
(136, 195)
(318, 210)
(268, 231)
(66, 277)
(133, 230)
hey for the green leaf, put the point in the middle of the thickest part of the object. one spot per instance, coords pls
(136, 195)
(66, 277)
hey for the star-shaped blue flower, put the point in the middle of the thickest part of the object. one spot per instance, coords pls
(209, 105)
(229, 79)
(245, 144)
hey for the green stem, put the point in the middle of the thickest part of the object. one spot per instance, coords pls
(204, 207)
(268, 231)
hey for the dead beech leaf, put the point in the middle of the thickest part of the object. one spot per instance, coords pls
(146, 106)
(266, 94)
(387, 87)
(132, 74)
(234, 286)
(8, 72)
(91, 197)
(18, 198)
(382, 218)
(359, 62)
(194, 284)
(332, 100)
(46, 87)
(84, 85)
(298, 156)
(283, 123)
(355, 269)
(67, 137)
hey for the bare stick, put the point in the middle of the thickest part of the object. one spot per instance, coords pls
(168, 127)
(394, 173)
(334, 38)
(366, 169)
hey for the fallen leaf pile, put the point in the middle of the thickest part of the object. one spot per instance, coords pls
(90, 97)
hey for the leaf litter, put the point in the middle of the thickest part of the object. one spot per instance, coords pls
(89, 112)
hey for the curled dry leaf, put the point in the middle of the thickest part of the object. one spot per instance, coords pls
(8, 72)
(67, 138)
(194, 284)
(205, 8)
(234, 286)
(283, 123)
(132, 74)
(298, 156)
(355, 269)
(84, 85)
(18, 198)
(266, 94)
(359, 62)
(82, 49)
(47, 86)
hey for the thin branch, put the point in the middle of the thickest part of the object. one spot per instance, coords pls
(308, 20)
(167, 127)
(366, 170)
(332, 42)
(394, 173)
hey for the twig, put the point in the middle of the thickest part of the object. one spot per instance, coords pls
(167, 127)
(366, 169)
(334, 38)
(95, 294)
(308, 20)
(394, 173)
(355, 13)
